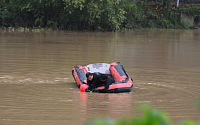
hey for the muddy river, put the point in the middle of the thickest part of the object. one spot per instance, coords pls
(37, 87)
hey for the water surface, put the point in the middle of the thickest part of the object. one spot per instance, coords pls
(37, 87)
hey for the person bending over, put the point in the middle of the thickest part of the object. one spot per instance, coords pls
(96, 79)
(93, 80)
(106, 80)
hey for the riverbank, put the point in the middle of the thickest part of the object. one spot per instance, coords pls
(25, 29)
(92, 15)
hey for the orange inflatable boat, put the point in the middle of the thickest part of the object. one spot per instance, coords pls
(123, 82)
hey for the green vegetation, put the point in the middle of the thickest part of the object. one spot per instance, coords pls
(150, 16)
(149, 116)
(92, 15)
(193, 10)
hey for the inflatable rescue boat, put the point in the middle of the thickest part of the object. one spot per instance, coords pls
(123, 82)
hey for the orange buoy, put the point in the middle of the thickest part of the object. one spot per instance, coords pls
(83, 87)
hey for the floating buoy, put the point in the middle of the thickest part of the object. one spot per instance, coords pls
(83, 87)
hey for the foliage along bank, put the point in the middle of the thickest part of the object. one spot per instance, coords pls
(105, 15)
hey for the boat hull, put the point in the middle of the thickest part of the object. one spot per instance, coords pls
(123, 82)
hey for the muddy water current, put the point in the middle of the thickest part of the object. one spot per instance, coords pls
(37, 87)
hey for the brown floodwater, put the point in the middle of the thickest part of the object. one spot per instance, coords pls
(37, 87)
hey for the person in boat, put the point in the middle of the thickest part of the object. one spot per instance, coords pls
(96, 79)
(93, 80)
(106, 80)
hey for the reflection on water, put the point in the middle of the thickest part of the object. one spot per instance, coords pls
(115, 105)
(37, 87)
